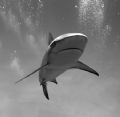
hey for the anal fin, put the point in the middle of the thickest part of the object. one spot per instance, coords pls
(54, 81)
(82, 66)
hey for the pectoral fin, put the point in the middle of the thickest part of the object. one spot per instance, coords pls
(31, 73)
(82, 66)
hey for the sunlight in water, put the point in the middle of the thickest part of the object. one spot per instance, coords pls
(91, 22)
(91, 13)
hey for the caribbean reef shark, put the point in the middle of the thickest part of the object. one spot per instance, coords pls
(63, 53)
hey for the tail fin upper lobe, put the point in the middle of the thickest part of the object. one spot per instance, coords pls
(45, 90)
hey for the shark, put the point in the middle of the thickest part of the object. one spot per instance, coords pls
(62, 54)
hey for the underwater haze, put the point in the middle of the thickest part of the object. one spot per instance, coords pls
(24, 29)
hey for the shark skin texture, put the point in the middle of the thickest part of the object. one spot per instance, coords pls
(63, 53)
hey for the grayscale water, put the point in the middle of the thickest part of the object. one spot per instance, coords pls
(24, 28)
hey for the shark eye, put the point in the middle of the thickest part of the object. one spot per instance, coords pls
(53, 44)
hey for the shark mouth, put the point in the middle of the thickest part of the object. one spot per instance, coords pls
(69, 49)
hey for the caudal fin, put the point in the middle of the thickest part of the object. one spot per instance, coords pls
(44, 86)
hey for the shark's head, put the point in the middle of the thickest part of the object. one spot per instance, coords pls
(69, 41)
(66, 49)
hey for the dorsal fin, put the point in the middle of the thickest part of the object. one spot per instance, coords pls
(50, 38)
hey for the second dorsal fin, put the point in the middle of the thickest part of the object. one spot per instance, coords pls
(50, 38)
